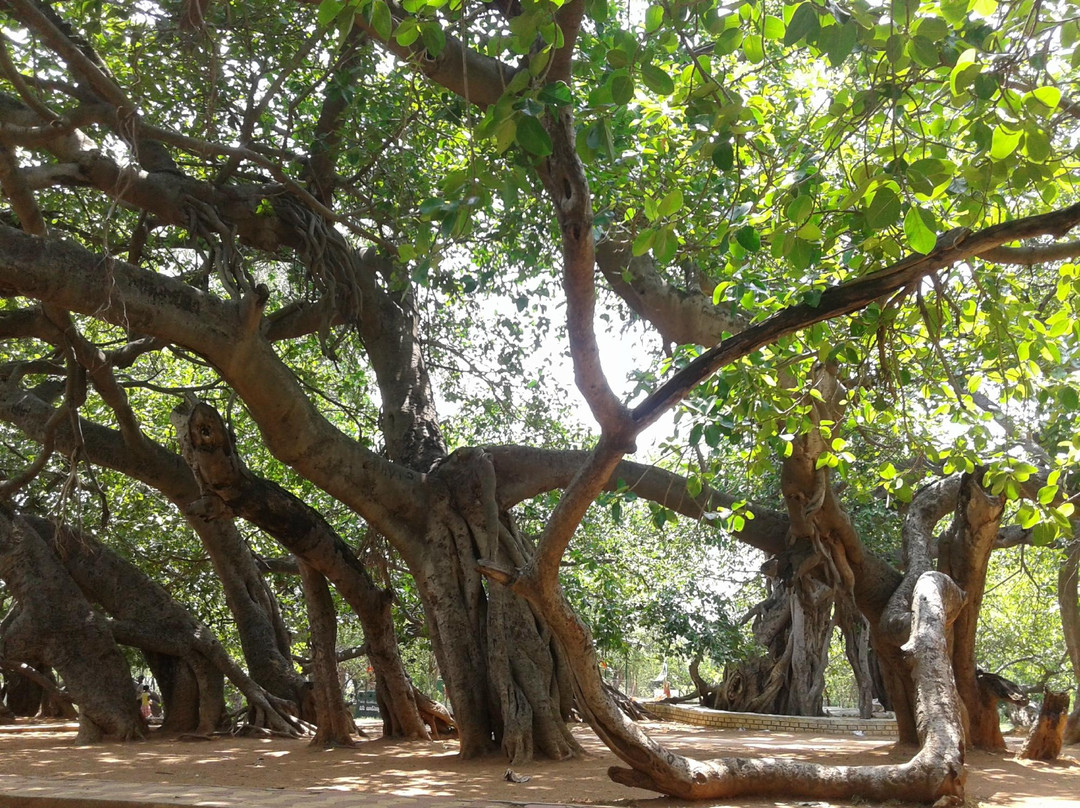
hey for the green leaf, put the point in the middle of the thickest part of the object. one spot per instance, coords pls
(963, 72)
(665, 245)
(1049, 97)
(934, 29)
(622, 88)
(924, 51)
(728, 42)
(617, 58)
(1047, 494)
(723, 155)
(328, 12)
(556, 94)
(654, 17)
(671, 203)
(920, 236)
(1004, 142)
(774, 27)
(804, 22)
(435, 40)
(884, 209)
(505, 134)
(656, 79)
(1027, 515)
(532, 136)
(643, 241)
(799, 209)
(408, 32)
(749, 238)
(1037, 145)
(754, 48)
(842, 43)
(1069, 398)
(381, 19)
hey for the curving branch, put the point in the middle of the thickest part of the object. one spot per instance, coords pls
(844, 298)
(71, 277)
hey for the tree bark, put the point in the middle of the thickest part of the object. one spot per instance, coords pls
(57, 625)
(964, 554)
(335, 725)
(1069, 606)
(254, 609)
(1044, 741)
(230, 488)
(936, 771)
(145, 616)
(856, 633)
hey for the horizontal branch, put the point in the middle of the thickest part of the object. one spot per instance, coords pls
(525, 472)
(1026, 256)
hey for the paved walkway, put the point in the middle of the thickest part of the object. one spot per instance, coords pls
(38, 792)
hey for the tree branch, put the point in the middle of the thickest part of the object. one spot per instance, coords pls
(851, 296)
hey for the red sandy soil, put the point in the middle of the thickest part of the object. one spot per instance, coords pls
(421, 768)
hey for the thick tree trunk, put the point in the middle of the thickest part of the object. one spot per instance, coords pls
(230, 488)
(856, 633)
(57, 625)
(24, 695)
(964, 554)
(146, 617)
(32, 690)
(263, 637)
(258, 621)
(189, 704)
(334, 726)
(504, 675)
(1044, 741)
(507, 683)
(1069, 606)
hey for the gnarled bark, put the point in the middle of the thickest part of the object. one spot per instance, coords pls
(1044, 740)
(145, 616)
(254, 609)
(964, 554)
(1069, 606)
(936, 771)
(230, 488)
(58, 626)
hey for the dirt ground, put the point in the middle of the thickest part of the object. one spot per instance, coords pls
(433, 769)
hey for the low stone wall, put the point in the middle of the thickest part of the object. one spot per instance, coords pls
(870, 727)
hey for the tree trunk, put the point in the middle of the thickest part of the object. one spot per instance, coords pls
(230, 488)
(507, 682)
(192, 693)
(263, 637)
(964, 554)
(1069, 606)
(1044, 741)
(856, 633)
(57, 625)
(24, 695)
(936, 771)
(258, 621)
(146, 617)
(504, 675)
(335, 725)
